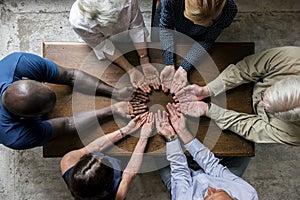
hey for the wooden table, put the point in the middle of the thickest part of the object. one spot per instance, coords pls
(79, 55)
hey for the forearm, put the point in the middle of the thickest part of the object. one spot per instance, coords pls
(185, 136)
(180, 172)
(249, 126)
(136, 159)
(120, 60)
(204, 158)
(107, 140)
(81, 123)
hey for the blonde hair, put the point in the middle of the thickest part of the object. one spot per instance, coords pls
(283, 99)
(203, 11)
(105, 12)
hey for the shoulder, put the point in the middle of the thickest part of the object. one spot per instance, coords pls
(75, 17)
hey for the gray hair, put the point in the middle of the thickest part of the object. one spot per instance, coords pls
(283, 99)
(105, 12)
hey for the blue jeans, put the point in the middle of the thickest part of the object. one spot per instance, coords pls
(237, 165)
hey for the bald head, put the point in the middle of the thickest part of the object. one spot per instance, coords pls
(28, 98)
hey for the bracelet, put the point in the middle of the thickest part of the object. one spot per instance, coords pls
(122, 133)
(171, 138)
(143, 55)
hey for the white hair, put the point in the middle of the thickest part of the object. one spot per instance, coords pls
(283, 99)
(105, 12)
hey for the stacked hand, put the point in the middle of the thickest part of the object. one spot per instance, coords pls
(129, 109)
(130, 94)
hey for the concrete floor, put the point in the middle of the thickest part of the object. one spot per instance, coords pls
(26, 175)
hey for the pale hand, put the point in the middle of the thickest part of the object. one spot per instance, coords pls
(151, 75)
(179, 80)
(147, 128)
(166, 77)
(193, 109)
(177, 119)
(163, 125)
(191, 93)
(137, 80)
(135, 123)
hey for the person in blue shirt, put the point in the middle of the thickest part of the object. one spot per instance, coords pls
(90, 174)
(203, 21)
(25, 99)
(212, 181)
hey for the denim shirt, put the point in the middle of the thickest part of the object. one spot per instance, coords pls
(189, 184)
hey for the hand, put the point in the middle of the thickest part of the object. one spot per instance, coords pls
(129, 109)
(166, 77)
(177, 119)
(135, 123)
(163, 125)
(151, 75)
(191, 93)
(194, 108)
(179, 123)
(137, 80)
(179, 80)
(147, 128)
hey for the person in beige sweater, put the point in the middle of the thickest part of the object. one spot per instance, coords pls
(276, 94)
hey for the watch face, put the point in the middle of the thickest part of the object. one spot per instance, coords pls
(171, 138)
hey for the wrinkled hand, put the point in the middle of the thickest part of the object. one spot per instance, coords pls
(177, 119)
(191, 93)
(137, 80)
(179, 80)
(193, 108)
(129, 109)
(135, 123)
(151, 75)
(166, 77)
(147, 128)
(163, 125)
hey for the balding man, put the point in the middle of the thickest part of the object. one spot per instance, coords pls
(25, 99)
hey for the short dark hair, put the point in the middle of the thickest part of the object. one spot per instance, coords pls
(92, 178)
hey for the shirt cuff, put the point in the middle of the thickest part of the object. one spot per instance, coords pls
(216, 86)
(215, 111)
(186, 65)
(173, 147)
(104, 47)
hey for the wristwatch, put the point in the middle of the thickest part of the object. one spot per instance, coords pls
(171, 138)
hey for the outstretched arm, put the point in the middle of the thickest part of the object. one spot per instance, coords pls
(71, 158)
(85, 82)
(88, 121)
(180, 173)
(136, 159)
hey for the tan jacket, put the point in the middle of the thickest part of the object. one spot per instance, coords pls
(264, 69)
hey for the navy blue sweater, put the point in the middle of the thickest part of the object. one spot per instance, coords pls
(172, 17)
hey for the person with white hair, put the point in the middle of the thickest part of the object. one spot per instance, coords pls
(276, 97)
(98, 21)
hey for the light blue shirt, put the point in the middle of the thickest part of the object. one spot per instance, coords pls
(189, 184)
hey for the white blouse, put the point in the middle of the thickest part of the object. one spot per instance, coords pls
(99, 37)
